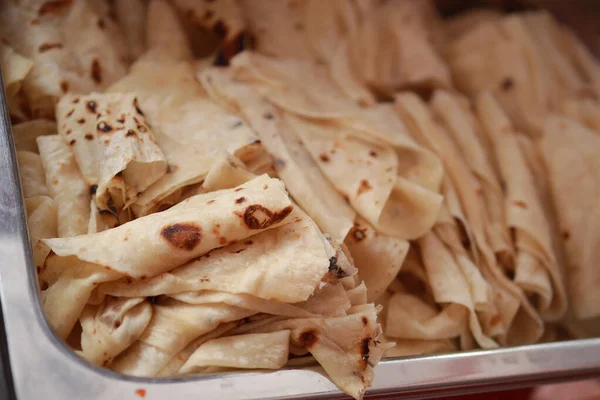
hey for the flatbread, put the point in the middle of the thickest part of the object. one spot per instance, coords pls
(33, 179)
(112, 327)
(192, 131)
(69, 49)
(113, 145)
(536, 264)
(569, 150)
(176, 236)
(26, 133)
(293, 163)
(66, 186)
(377, 257)
(255, 350)
(15, 68)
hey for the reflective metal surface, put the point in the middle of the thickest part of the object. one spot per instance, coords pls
(43, 368)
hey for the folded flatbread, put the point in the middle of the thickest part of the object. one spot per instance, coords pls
(66, 186)
(113, 145)
(70, 50)
(570, 153)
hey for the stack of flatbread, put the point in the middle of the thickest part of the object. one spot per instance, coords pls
(195, 208)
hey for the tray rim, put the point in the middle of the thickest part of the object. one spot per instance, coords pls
(34, 351)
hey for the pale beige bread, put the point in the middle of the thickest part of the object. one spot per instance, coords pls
(166, 41)
(192, 131)
(33, 178)
(347, 347)
(173, 326)
(15, 68)
(550, 38)
(293, 164)
(176, 236)
(173, 366)
(278, 27)
(69, 50)
(477, 63)
(378, 257)
(254, 350)
(111, 327)
(246, 267)
(390, 56)
(26, 133)
(569, 151)
(66, 186)
(521, 322)
(468, 136)
(378, 187)
(132, 22)
(392, 184)
(42, 224)
(536, 266)
(113, 145)
(457, 25)
(585, 109)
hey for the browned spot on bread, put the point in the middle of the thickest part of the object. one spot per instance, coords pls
(265, 186)
(248, 242)
(365, 186)
(259, 217)
(373, 153)
(96, 71)
(346, 197)
(91, 106)
(566, 235)
(240, 200)
(103, 127)
(365, 321)
(308, 338)
(71, 111)
(238, 189)
(106, 267)
(210, 202)
(101, 23)
(35, 21)
(137, 107)
(496, 319)
(64, 86)
(54, 7)
(49, 46)
(183, 236)
(130, 132)
(324, 157)
(117, 324)
(75, 100)
(72, 142)
(507, 84)
(68, 132)
(520, 204)
(220, 29)
(89, 136)
(364, 349)
(81, 121)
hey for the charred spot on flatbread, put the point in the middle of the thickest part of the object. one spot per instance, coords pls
(507, 84)
(258, 217)
(49, 46)
(91, 106)
(54, 7)
(183, 236)
(103, 127)
(96, 71)
(365, 186)
(308, 338)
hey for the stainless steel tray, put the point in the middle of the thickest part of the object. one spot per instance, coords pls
(43, 367)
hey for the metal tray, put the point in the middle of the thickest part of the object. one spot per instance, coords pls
(40, 366)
